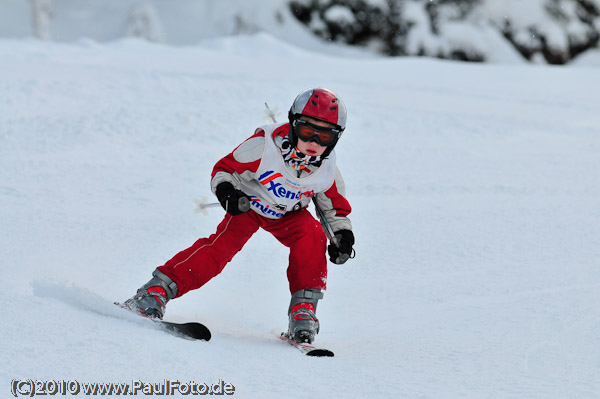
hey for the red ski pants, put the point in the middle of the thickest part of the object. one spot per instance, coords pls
(299, 231)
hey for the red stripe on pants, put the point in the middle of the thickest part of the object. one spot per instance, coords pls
(299, 231)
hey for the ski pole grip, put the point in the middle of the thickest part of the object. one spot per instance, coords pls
(244, 204)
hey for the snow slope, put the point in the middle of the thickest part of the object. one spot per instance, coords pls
(185, 23)
(476, 210)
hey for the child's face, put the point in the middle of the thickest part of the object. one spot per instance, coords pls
(312, 148)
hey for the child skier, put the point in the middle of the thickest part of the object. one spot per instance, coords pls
(279, 170)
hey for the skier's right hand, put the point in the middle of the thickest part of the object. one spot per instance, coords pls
(235, 202)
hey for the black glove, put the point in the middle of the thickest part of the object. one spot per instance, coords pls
(341, 254)
(235, 202)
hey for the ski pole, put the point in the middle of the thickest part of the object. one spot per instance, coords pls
(270, 113)
(329, 233)
(202, 204)
(328, 230)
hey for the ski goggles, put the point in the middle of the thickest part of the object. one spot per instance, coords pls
(308, 132)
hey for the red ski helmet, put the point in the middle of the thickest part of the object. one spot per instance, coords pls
(321, 104)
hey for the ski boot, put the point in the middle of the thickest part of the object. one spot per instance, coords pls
(304, 325)
(152, 297)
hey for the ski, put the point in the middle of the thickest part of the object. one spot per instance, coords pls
(307, 349)
(192, 330)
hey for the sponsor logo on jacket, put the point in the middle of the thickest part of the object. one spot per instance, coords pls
(266, 209)
(268, 179)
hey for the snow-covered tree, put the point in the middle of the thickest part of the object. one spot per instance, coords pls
(554, 31)
(561, 30)
(372, 23)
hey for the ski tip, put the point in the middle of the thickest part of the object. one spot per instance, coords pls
(207, 335)
(204, 334)
(320, 353)
(192, 330)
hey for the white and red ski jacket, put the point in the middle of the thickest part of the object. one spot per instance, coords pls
(275, 188)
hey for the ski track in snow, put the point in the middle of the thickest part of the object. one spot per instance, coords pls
(475, 193)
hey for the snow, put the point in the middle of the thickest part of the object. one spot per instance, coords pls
(475, 194)
(588, 59)
(187, 23)
(478, 32)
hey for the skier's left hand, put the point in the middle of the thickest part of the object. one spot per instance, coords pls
(341, 254)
